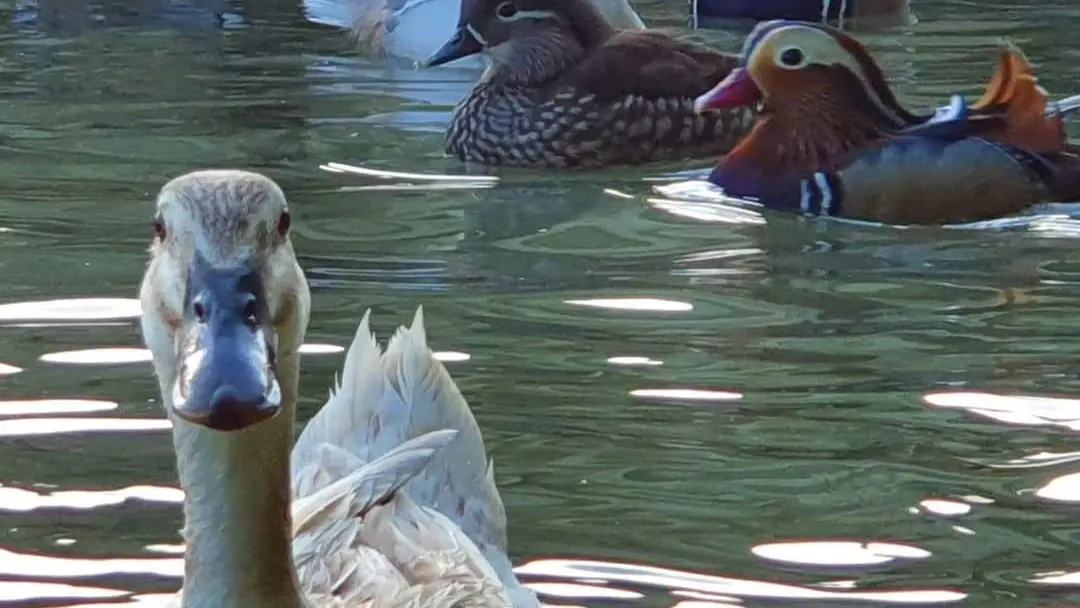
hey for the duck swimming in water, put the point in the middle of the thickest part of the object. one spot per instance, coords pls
(387, 499)
(833, 140)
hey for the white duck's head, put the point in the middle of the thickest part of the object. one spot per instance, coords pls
(225, 304)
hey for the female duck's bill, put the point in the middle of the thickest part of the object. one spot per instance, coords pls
(463, 43)
(227, 379)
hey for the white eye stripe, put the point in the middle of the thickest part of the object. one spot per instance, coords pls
(476, 34)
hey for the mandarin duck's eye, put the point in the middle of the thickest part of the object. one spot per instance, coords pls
(506, 10)
(792, 57)
(159, 228)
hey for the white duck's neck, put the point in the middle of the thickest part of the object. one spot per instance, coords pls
(237, 518)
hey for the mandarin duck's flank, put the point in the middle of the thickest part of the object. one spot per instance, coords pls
(566, 89)
(833, 140)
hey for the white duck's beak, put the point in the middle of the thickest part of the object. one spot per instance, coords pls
(227, 379)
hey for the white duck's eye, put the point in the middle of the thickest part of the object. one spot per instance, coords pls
(283, 223)
(791, 57)
(159, 228)
(506, 11)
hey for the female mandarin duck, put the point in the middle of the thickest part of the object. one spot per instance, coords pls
(414, 29)
(566, 89)
(833, 140)
(391, 499)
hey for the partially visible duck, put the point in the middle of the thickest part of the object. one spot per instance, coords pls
(568, 89)
(803, 10)
(389, 500)
(832, 139)
(414, 29)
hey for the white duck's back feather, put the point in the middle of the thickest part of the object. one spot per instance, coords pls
(380, 431)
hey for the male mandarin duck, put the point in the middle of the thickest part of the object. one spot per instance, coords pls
(567, 89)
(833, 140)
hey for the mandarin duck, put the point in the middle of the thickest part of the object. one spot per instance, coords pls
(567, 89)
(833, 140)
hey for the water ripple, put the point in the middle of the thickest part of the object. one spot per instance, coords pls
(668, 579)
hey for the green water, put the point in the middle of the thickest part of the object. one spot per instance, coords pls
(817, 350)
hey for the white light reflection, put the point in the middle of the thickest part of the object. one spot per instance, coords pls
(1012, 409)
(848, 554)
(150, 600)
(721, 213)
(12, 591)
(574, 591)
(944, 508)
(22, 500)
(30, 407)
(166, 549)
(72, 309)
(705, 600)
(114, 356)
(640, 304)
(633, 361)
(452, 356)
(99, 356)
(312, 348)
(677, 581)
(47, 567)
(30, 427)
(1058, 577)
(1064, 489)
(685, 394)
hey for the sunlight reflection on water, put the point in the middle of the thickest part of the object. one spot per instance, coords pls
(609, 573)
(29, 427)
(16, 499)
(71, 309)
(1012, 409)
(29, 407)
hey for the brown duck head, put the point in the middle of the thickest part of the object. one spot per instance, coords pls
(821, 96)
(529, 41)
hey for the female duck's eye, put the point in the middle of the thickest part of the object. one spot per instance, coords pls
(791, 57)
(159, 229)
(506, 10)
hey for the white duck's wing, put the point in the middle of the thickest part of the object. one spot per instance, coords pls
(360, 541)
(384, 400)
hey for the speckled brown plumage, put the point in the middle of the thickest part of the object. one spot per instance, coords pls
(567, 90)
(833, 140)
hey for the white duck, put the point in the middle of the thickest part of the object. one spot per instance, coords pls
(390, 501)
(415, 29)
